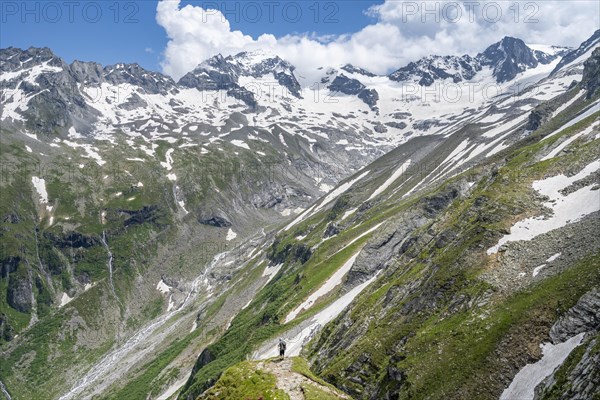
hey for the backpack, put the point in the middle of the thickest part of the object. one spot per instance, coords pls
(282, 346)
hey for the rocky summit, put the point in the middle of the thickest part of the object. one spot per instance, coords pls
(407, 235)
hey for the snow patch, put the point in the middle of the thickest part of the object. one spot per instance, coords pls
(168, 164)
(537, 270)
(289, 211)
(65, 299)
(328, 286)
(240, 143)
(523, 385)
(323, 187)
(348, 213)
(327, 199)
(568, 141)
(230, 235)
(40, 187)
(90, 151)
(397, 173)
(74, 134)
(271, 272)
(163, 287)
(566, 209)
(171, 303)
(182, 205)
(296, 343)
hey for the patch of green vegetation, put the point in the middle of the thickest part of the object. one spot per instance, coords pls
(458, 353)
(245, 381)
(300, 366)
(153, 308)
(312, 392)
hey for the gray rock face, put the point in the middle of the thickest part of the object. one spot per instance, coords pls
(583, 317)
(55, 101)
(134, 101)
(223, 73)
(508, 58)
(331, 230)
(14, 59)
(591, 74)
(345, 85)
(425, 124)
(213, 74)
(356, 70)
(397, 240)
(379, 252)
(216, 219)
(370, 97)
(133, 74)
(11, 218)
(579, 379)
(19, 294)
(217, 73)
(538, 117)
(74, 240)
(428, 70)
(397, 125)
(9, 265)
(87, 72)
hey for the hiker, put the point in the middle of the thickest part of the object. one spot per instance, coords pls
(282, 346)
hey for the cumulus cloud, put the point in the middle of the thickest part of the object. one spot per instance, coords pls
(403, 31)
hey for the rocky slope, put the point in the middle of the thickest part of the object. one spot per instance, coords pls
(506, 59)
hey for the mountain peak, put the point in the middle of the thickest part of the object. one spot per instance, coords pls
(14, 58)
(508, 57)
(223, 73)
(357, 70)
(429, 69)
(255, 56)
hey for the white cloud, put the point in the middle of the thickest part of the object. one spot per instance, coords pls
(403, 32)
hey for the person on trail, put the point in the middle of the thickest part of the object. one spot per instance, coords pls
(282, 346)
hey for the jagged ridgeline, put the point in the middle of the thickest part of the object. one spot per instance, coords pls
(159, 237)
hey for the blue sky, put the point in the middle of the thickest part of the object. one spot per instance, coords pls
(133, 35)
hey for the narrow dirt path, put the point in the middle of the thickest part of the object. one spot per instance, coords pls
(291, 382)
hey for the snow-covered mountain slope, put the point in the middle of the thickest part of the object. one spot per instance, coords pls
(349, 109)
(579, 55)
